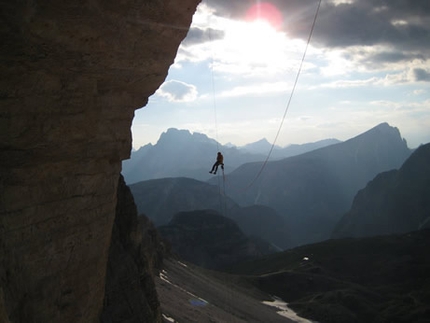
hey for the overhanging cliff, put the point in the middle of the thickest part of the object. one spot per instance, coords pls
(72, 75)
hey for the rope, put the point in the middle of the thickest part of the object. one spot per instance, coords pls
(221, 192)
(213, 91)
(289, 100)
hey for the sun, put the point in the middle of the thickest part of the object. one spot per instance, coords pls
(265, 11)
(256, 42)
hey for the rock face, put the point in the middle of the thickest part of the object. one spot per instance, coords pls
(72, 75)
(135, 253)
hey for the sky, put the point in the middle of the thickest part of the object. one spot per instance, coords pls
(367, 62)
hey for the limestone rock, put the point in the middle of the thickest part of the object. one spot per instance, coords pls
(73, 72)
(135, 253)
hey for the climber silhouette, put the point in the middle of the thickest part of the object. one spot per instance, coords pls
(219, 161)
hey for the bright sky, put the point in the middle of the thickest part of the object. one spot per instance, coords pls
(368, 62)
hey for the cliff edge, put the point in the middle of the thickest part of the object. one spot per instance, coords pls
(72, 75)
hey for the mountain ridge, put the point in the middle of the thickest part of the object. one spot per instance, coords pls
(161, 199)
(313, 190)
(180, 153)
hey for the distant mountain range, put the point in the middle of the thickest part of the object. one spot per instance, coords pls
(263, 147)
(179, 153)
(396, 201)
(161, 199)
(295, 201)
(312, 191)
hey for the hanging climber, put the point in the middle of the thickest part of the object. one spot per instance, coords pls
(219, 161)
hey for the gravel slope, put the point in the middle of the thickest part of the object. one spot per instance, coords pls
(191, 294)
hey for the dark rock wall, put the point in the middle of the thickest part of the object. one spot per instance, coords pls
(135, 253)
(73, 72)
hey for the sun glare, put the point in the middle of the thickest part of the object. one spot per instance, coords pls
(265, 11)
(256, 42)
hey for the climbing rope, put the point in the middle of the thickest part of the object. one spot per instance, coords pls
(263, 166)
(289, 99)
(221, 191)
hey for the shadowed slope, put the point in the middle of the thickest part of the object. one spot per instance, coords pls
(393, 202)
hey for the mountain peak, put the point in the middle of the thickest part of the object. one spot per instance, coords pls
(382, 134)
(259, 146)
(173, 134)
(386, 129)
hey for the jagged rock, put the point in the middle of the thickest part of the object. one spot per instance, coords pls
(72, 75)
(135, 253)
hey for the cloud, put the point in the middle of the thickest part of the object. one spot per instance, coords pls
(401, 28)
(350, 83)
(421, 74)
(257, 90)
(177, 91)
(198, 35)
(375, 22)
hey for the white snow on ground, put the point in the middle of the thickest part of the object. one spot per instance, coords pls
(163, 276)
(182, 264)
(198, 301)
(168, 318)
(284, 310)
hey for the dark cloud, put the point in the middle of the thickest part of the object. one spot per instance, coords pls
(197, 35)
(403, 25)
(379, 59)
(421, 75)
(400, 23)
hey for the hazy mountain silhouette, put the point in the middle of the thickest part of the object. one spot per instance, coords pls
(263, 147)
(313, 190)
(393, 202)
(160, 199)
(179, 153)
(210, 240)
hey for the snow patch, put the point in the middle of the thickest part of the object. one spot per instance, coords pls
(168, 318)
(195, 300)
(163, 276)
(199, 302)
(182, 264)
(284, 310)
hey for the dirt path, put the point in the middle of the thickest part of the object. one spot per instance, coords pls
(189, 294)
